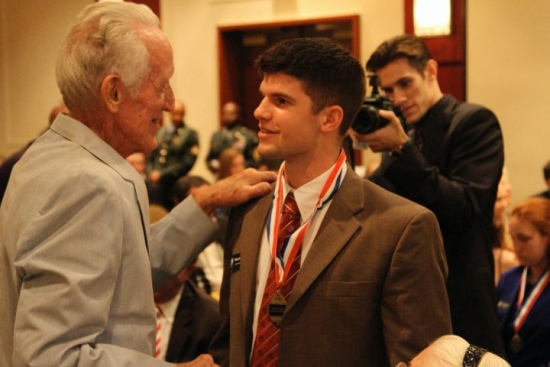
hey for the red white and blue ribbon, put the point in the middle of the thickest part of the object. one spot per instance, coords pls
(529, 303)
(294, 242)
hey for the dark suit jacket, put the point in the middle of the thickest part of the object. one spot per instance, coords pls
(174, 157)
(456, 175)
(175, 154)
(196, 321)
(226, 137)
(535, 331)
(371, 289)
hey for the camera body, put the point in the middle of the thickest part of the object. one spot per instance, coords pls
(368, 119)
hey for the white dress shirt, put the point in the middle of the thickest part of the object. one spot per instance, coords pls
(306, 197)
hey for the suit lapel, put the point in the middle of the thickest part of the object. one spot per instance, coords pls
(80, 134)
(252, 232)
(335, 231)
(142, 202)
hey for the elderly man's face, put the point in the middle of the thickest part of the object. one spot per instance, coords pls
(140, 118)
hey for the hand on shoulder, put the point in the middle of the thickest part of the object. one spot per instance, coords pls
(235, 189)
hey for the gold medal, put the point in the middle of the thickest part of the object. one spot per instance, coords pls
(276, 307)
(516, 343)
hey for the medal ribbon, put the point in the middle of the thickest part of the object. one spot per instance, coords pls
(295, 240)
(526, 308)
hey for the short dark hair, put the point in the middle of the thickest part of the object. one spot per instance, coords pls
(400, 47)
(183, 184)
(329, 72)
(546, 171)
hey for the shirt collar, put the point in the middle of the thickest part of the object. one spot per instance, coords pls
(306, 195)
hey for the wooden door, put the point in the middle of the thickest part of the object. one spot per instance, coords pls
(239, 47)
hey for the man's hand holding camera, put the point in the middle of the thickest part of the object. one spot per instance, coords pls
(390, 138)
(379, 123)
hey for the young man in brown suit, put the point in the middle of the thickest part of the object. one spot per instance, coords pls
(370, 288)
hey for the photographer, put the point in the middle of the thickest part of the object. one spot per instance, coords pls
(450, 161)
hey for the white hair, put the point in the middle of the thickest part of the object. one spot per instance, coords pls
(104, 39)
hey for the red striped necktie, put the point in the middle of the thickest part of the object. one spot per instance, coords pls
(266, 345)
(158, 340)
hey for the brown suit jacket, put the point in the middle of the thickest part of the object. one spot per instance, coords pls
(371, 291)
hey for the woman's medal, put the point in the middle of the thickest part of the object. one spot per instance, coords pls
(516, 342)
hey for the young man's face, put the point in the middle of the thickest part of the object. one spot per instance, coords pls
(413, 92)
(288, 129)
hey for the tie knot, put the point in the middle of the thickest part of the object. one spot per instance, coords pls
(290, 206)
(290, 221)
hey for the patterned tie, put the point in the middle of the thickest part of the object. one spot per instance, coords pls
(158, 341)
(290, 220)
(266, 346)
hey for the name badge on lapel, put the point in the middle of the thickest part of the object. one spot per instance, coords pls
(235, 262)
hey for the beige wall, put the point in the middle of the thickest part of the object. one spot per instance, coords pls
(195, 80)
(508, 62)
(504, 38)
(30, 32)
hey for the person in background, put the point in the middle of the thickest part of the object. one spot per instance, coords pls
(208, 270)
(546, 175)
(138, 161)
(185, 186)
(7, 166)
(350, 274)
(454, 351)
(187, 318)
(449, 160)
(523, 291)
(174, 156)
(78, 260)
(233, 134)
(232, 161)
(503, 252)
(266, 164)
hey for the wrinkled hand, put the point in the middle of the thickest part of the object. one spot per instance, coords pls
(234, 190)
(388, 138)
(204, 360)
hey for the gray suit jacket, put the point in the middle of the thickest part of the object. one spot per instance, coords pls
(77, 253)
(371, 290)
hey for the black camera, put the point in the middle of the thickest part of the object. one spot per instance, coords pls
(368, 120)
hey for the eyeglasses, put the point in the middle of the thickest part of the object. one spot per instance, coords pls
(161, 91)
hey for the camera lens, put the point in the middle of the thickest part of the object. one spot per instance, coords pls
(367, 120)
